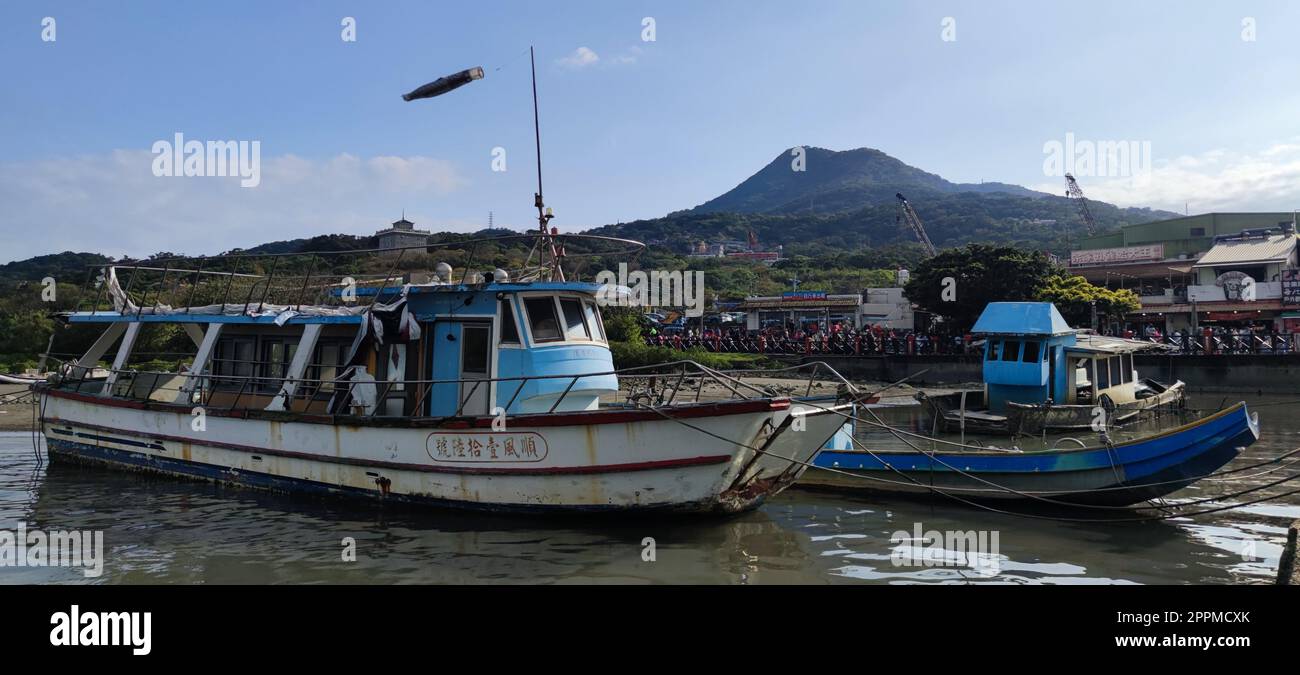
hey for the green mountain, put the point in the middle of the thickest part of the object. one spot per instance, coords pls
(843, 204)
(845, 201)
(66, 266)
(832, 181)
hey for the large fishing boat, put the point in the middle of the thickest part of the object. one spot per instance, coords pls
(490, 390)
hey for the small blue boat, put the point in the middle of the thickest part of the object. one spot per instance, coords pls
(1120, 474)
(1042, 375)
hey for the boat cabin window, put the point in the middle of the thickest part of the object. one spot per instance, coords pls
(509, 331)
(1126, 367)
(324, 367)
(234, 358)
(563, 318)
(276, 355)
(575, 324)
(1103, 374)
(1031, 351)
(994, 346)
(541, 319)
(593, 318)
(1010, 350)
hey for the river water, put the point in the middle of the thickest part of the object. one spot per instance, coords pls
(159, 530)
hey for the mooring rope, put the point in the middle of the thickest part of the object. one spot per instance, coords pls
(986, 507)
(1056, 502)
(896, 432)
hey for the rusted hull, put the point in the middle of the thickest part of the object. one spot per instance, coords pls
(701, 464)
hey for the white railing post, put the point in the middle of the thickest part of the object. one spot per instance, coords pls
(96, 352)
(301, 358)
(123, 355)
(199, 368)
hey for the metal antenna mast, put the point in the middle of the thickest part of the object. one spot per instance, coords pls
(544, 214)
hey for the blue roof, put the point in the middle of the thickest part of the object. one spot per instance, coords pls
(1021, 318)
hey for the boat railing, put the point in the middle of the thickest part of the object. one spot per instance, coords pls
(252, 283)
(654, 386)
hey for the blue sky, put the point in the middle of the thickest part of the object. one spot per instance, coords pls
(634, 129)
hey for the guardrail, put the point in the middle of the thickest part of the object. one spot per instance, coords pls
(655, 386)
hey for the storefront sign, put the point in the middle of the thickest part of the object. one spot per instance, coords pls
(803, 295)
(1291, 287)
(1102, 256)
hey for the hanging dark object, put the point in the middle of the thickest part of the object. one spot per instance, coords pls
(443, 85)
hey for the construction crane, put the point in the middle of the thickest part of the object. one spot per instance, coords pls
(1072, 191)
(906, 212)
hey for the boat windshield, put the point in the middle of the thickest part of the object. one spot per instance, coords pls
(563, 318)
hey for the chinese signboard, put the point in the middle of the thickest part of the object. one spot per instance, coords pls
(1291, 287)
(804, 295)
(1102, 256)
(489, 447)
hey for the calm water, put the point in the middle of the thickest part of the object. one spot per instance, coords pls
(162, 531)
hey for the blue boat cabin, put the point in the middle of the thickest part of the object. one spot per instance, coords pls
(462, 350)
(1032, 356)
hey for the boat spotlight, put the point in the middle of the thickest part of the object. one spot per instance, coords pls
(500, 276)
(443, 85)
(443, 270)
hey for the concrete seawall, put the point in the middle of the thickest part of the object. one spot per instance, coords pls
(1247, 373)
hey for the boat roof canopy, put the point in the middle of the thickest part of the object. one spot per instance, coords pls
(257, 313)
(1104, 345)
(1021, 318)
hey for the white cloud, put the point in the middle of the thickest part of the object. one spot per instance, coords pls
(1214, 180)
(580, 58)
(113, 203)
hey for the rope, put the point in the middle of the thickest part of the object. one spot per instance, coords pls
(881, 424)
(977, 505)
(1057, 502)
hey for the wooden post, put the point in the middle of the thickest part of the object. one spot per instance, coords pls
(1288, 567)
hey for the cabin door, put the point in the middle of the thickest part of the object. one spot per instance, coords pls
(462, 364)
(1051, 376)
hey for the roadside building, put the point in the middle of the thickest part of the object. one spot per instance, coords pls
(799, 308)
(887, 308)
(884, 307)
(401, 235)
(1234, 270)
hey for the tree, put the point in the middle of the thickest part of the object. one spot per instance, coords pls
(957, 283)
(25, 332)
(1073, 297)
(622, 324)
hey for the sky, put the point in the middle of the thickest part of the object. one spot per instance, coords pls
(631, 127)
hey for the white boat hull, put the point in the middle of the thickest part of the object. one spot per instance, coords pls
(702, 460)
